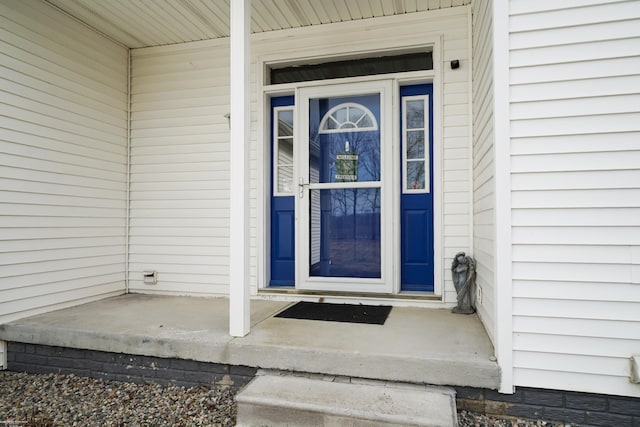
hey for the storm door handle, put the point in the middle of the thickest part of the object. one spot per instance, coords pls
(301, 186)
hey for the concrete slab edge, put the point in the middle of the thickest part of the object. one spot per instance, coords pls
(445, 372)
(352, 414)
(444, 399)
(142, 345)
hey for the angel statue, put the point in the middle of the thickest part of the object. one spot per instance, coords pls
(463, 272)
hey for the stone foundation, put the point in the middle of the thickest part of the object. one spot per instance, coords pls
(583, 409)
(39, 359)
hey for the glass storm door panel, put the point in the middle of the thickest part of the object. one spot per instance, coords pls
(344, 149)
(342, 191)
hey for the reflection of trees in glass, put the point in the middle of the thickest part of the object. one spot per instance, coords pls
(323, 149)
(345, 239)
(347, 220)
(325, 146)
(365, 144)
(352, 218)
(415, 114)
(355, 201)
(415, 175)
(415, 150)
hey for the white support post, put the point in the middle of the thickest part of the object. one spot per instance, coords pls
(239, 297)
(502, 208)
(3, 355)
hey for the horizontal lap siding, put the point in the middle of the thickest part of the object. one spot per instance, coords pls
(575, 127)
(397, 32)
(483, 167)
(456, 142)
(180, 149)
(179, 222)
(63, 161)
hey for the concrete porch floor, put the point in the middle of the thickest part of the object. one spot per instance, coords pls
(415, 345)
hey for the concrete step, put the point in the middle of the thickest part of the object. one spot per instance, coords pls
(287, 400)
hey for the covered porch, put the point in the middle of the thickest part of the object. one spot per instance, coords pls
(188, 195)
(415, 345)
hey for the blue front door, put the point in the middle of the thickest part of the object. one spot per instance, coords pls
(282, 193)
(416, 200)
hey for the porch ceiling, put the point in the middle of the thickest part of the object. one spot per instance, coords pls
(141, 23)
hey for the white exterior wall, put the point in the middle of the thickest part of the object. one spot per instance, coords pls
(483, 163)
(575, 174)
(180, 144)
(180, 168)
(63, 162)
(452, 27)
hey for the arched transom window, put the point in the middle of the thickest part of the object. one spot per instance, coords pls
(348, 116)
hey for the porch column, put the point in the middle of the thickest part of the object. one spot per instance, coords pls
(239, 298)
(3, 355)
(503, 260)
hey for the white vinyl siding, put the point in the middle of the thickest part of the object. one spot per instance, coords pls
(63, 162)
(179, 222)
(575, 127)
(483, 163)
(180, 145)
(399, 32)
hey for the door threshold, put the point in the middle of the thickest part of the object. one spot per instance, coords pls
(415, 296)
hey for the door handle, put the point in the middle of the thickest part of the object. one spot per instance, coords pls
(301, 186)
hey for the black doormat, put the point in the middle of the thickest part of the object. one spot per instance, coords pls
(350, 313)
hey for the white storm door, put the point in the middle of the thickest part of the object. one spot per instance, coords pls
(344, 205)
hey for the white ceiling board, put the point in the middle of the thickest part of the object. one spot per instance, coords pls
(141, 23)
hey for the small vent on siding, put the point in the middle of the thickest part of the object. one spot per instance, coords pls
(635, 369)
(351, 68)
(150, 277)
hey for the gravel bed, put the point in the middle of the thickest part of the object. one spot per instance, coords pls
(43, 400)
(68, 400)
(469, 419)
